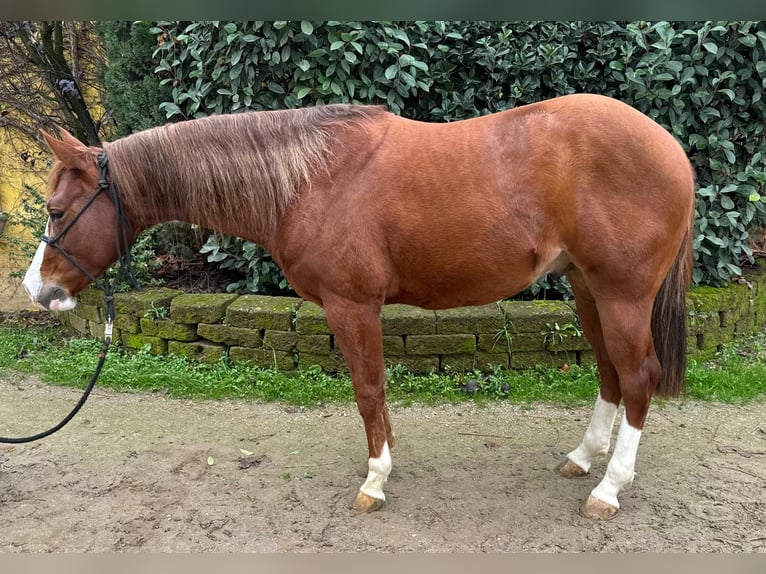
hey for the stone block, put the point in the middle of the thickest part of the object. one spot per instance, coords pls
(486, 360)
(691, 344)
(504, 341)
(200, 307)
(262, 312)
(201, 351)
(536, 316)
(146, 325)
(744, 325)
(699, 321)
(330, 363)
(77, 324)
(586, 358)
(280, 340)
(91, 295)
(169, 329)
(314, 344)
(440, 344)
(476, 320)
(237, 336)
(407, 320)
(89, 312)
(458, 363)
(139, 303)
(155, 345)
(714, 338)
(311, 319)
(128, 323)
(564, 341)
(393, 345)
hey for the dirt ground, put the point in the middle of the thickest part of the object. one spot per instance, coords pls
(144, 473)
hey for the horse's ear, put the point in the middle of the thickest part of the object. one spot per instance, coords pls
(69, 150)
(67, 137)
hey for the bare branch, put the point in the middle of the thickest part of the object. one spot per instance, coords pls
(47, 64)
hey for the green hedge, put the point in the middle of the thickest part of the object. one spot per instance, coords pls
(703, 81)
(132, 95)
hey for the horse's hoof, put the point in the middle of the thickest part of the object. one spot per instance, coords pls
(597, 509)
(366, 503)
(568, 469)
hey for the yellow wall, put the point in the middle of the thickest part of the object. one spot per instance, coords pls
(14, 172)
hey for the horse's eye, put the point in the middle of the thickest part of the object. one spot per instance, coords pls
(55, 214)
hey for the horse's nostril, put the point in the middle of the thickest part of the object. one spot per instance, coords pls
(57, 293)
(49, 295)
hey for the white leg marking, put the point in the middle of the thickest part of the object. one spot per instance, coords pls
(595, 443)
(33, 282)
(620, 471)
(379, 469)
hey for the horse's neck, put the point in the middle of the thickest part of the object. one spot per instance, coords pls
(211, 216)
(235, 173)
(172, 196)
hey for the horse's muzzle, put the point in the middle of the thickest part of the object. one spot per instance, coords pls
(55, 298)
(48, 297)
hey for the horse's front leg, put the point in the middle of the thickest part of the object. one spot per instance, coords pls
(357, 331)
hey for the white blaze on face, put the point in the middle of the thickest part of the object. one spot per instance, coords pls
(33, 282)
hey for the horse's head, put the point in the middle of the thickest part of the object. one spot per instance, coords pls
(79, 241)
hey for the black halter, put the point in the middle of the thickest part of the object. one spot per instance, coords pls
(123, 234)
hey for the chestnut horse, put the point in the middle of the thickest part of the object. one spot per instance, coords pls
(361, 208)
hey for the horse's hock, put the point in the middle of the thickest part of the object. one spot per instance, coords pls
(289, 333)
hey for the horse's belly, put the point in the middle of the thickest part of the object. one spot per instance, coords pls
(440, 283)
(460, 290)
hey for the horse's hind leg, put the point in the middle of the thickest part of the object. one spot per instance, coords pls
(626, 326)
(357, 330)
(595, 443)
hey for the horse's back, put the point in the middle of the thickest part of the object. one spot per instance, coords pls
(467, 212)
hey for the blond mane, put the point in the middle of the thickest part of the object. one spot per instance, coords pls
(250, 164)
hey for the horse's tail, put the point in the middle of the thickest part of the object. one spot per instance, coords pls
(669, 319)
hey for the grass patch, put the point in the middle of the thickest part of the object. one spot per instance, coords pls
(735, 375)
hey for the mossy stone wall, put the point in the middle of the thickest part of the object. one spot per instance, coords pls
(289, 333)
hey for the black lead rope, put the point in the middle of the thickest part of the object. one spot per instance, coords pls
(77, 407)
(123, 236)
